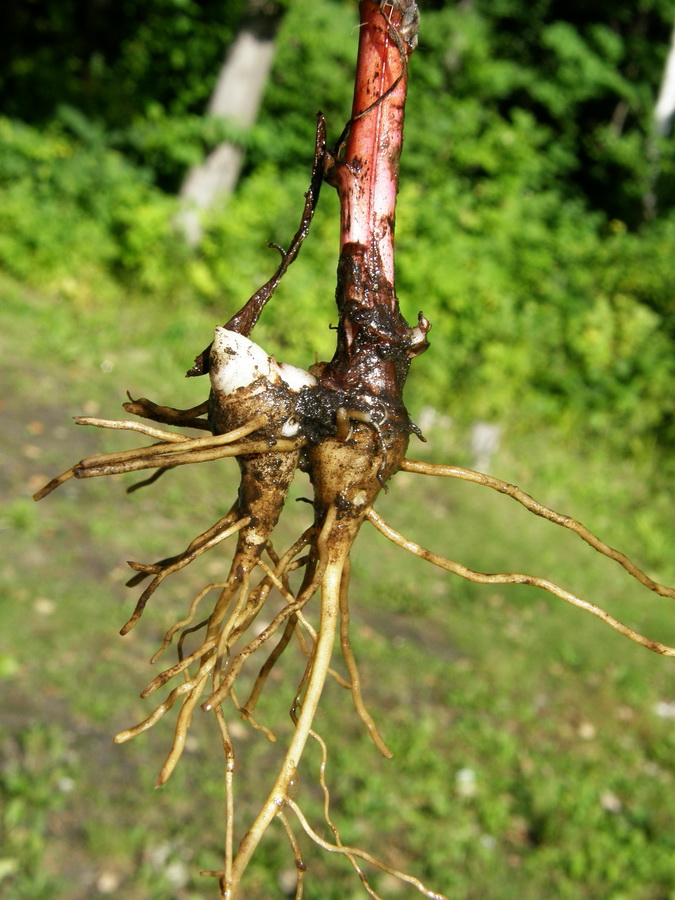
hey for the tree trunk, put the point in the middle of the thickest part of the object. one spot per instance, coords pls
(237, 97)
(665, 105)
(663, 119)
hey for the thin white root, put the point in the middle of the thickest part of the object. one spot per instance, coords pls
(511, 490)
(159, 434)
(180, 666)
(361, 854)
(326, 814)
(180, 733)
(171, 436)
(352, 669)
(187, 444)
(148, 457)
(515, 578)
(183, 560)
(330, 572)
(311, 631)
(163, 708)
(229, 792)
(300, 867)
(180, 457)
(235, 666)
(183, 623)
(144, 570)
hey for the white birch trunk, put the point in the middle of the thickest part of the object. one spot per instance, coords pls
(663, 119)
(237, 97)
(665, 105)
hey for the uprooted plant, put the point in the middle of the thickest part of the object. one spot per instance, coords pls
(345, 424)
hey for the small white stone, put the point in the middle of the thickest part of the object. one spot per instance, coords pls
(43, 606)
(177, 873)
(465, 782)
(610, 802)
(664, 709)
(586, 731)
(107, 882)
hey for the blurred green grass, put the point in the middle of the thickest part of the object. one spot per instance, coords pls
(529, 757)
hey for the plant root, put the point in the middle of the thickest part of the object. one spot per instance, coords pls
(516, 578)
(361, 854)
(300, 867)
(331, 824)
(187, 418)
(350, 662)
(161, 570)
(162, 455)
(183, 623)
(511, 490)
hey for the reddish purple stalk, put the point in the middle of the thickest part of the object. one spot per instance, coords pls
(368, 182)
(375, 343)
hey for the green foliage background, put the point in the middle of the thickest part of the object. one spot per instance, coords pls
(529, 154)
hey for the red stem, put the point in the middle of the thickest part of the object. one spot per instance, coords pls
(368, 191)
(375, 343)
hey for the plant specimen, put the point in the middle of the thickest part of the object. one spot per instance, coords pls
(345, 424)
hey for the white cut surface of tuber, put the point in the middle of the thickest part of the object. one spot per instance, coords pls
(236, 361)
